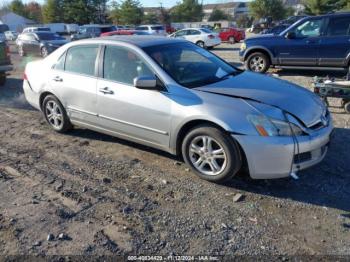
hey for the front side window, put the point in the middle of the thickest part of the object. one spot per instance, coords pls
(339, 26)
(81, 60)
(123, 65)
(310, 28)
(189, 65)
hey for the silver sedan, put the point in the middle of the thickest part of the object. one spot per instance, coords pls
(175, 96)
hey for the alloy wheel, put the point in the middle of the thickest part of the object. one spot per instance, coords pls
(257, 64)
(54, 115)
(44, 52)
(201, 44)
(207, 155)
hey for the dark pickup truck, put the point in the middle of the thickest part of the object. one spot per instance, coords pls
(5, 62)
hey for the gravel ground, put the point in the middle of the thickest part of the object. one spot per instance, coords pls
(84, 193)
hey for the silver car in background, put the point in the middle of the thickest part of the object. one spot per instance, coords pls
(175, 96)
(152, 29)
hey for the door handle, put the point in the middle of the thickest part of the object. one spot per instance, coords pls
(58, 79)
(106, 91)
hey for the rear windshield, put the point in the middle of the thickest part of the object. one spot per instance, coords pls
(141, 28)
(157, 27)
(206, 30)
(108, 29)
(45, 29)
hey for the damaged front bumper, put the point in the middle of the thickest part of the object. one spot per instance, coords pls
(277, 157)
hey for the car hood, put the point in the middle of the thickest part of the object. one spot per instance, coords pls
(56, 42)
(298, 101)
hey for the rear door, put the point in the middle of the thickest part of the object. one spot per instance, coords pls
(335, 45)
(181, 34)
(193, 35)
(74, 79)
(303, 50)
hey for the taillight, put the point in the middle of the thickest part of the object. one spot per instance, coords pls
(25, 76)
(211, 36)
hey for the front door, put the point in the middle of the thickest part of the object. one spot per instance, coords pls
(143, 115)
(303, 48)
(74, 81)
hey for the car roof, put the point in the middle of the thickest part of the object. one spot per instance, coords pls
(137, 40)
(345, 13)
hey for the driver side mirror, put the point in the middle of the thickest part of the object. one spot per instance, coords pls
(291, 35)
(146, 82)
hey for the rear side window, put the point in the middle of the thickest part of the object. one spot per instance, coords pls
(60, 63)
(81, 60)
(339, 26)
(142, 28)
(194, 32)
(123, 65)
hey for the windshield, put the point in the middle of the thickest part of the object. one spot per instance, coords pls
(190, 65)
(49, 36)
(82, 30)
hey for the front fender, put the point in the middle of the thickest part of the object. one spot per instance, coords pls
(249, 50)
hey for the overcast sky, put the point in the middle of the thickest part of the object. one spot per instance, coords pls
(166, 3)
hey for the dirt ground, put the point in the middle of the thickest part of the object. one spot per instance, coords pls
(84, 193)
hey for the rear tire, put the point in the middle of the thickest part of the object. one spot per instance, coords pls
(211, 153)
(257, 62)
(231, 40)
(201, 44)
(55, 114)
(2, 79)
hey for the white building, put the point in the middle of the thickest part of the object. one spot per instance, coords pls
(232, 9)
(15, 22)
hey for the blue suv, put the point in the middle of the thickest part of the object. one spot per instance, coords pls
(312, 42)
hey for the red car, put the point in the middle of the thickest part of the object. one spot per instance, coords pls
(125, 32)
(231, 35)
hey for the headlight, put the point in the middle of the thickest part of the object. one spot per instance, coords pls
(243, 46)
(273, 127)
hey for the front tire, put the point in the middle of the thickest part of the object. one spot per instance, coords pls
(257, 62)
(44, 52)
(211, 153)
(55, 114)
(21, 51)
